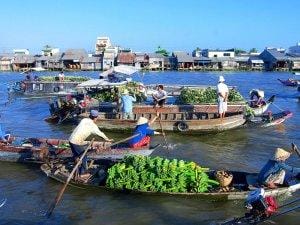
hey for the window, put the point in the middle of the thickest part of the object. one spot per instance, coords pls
(226, 54)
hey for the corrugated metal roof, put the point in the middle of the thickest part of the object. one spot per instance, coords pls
(202, 58)
(74, 54)
(155, 55)
(277, 55)
(126, 57)
(183, 57)
(24, 59)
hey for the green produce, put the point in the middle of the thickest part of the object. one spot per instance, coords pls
(158, 175)
(66, 78)
(113, 94)
(208, 95)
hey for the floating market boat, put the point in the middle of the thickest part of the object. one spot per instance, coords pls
(46, 85)
(40, 149)
(258, 110)
(267, 120)
(176, 118)
(239, 188)
(290, 82)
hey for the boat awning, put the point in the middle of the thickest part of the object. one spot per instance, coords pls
(94, 83)
(122, 69)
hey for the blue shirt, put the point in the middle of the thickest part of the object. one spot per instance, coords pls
(143, 130)
(273, 167)
(127, 103)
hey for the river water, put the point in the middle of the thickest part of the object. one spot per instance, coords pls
(29, 192)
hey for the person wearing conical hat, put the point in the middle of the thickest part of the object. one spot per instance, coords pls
(144, 132)
(276, 171)
(127, 104)
(223, 93)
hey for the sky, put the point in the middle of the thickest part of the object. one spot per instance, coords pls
(145, 25)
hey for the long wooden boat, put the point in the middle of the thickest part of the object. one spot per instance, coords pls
(175, 118)
(54, 88)
(290, 82)
(270, 120)
(39, 150)
(241, 186)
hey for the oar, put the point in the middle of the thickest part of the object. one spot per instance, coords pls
(162, 131)
(295, 149)
(59, 195)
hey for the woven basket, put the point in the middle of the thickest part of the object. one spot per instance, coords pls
(224, 178)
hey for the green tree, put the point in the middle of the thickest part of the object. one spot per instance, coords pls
(162, 51)
(238, 51)
(253, 50)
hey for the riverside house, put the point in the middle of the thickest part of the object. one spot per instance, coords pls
(275, 59)
(23, 62)
(72, 58)
(141, 60)
(126, 58)
(184, 60)
(6, 62)
(156, 61)
(91, 62)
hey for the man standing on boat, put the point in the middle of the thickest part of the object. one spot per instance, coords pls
(276, 171)
(86, 127)
(160, 96)
(143, 129)
(127, 105)
(61, 76)
(223, 92)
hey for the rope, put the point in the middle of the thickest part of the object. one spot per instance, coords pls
(278, 107)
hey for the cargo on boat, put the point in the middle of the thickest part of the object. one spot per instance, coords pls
(176, 118)
(241, 184)
(41, 149)
(47, 85)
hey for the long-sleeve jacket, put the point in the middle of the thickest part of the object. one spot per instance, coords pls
(273, 167)
(85, 128)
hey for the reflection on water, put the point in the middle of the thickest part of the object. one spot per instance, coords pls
(29, 193)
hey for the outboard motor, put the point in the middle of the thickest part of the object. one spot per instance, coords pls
(259, 205)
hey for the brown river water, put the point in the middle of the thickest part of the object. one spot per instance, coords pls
(28, 192)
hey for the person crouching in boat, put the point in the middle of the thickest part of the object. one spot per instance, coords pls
(143, 129)
(4, 137)
(276, 171)
(85, 128)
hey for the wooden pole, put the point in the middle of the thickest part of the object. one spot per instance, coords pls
(60, 193)
(162, 131)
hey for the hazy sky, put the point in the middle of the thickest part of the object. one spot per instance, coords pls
(143, 25)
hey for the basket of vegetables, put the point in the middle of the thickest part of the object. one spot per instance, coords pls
(224, 178)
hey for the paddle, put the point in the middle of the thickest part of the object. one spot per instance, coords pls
(295, 149)
(271, 99)
(59, 195)
(162, 131)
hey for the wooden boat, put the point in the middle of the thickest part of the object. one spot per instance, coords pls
(240, 187)
(175, 118)
(290, 82)
(38, 150)
(267, 120)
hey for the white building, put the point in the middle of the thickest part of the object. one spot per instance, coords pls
(102, 43)
(21, 51)
(217, 53)
(295, 49)
(49, 51)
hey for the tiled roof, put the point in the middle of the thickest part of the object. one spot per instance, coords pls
(77, 54)
(126, 57)
(183, 57)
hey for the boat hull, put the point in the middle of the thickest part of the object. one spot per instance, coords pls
(48, 151)
(231, 195)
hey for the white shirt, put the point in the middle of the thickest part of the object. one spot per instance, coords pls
(161, 94)
(222, 89)
(85, 128)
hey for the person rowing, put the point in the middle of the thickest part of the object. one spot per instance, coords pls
(276, 172)
(143, 129)
(77, 140)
